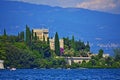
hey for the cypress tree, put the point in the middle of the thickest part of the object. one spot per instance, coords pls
(43, 39)
(5, 33)
(18, 35)
(57, 45)
(28, 35)
(100, 54)
(35, 36)
(4, 36)
(73, 43)
(87, 46)
(48, 42)
(32, 35)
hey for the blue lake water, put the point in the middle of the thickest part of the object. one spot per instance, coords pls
(60, 74)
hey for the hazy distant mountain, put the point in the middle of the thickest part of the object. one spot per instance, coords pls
(101, 29)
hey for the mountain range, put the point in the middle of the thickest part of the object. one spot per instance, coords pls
(101, 29)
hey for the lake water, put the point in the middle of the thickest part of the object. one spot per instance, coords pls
(60, 74)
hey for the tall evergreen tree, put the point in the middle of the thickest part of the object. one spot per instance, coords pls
(32, 34)
(18, 37)
(4, 36)
(73, 43)
(48, 42)
(57, 44)
(5, 33)
(100, 54)
(28, 35)
(87, 46)
(21, 36)
(43, 39)
(117, 54)
(35, 36)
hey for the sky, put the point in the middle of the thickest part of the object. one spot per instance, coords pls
(110, 6)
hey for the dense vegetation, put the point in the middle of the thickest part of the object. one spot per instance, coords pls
(98, 61)
(76, 48)
(26, 51)
(79, 48)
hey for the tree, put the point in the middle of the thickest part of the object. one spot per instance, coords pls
(48, 42)
(73, 43)
(100, 54)
(57, 45)
(117, 54)
(2, 51)
(43, 39)
(21, 36)
(93, 62)
(66, 43)
(109, 61)
(32, 34)
(4, 36)
(5, 33)
(16, 57)
(35, 36)
(87, 46)
(28, 35)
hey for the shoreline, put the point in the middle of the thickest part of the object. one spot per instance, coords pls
(59, 68)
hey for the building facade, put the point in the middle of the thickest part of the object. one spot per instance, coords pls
(52, 43)
(79, 60)
(41, 33)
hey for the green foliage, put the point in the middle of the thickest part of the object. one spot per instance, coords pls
(69, 52)
(75, 65)
(44, 39)
(87, 46)
(32, 34)
(21, 35)
(117, 54)
(2, 51)
(109, 61)
(4, 37)
(35, 36)
(73, 43)
(57, 45)
(5, 33)
(100, 54)
(28, 35)
(37, 54)
(17, 56)
(78, 47)
(48, 42)
(21, 45)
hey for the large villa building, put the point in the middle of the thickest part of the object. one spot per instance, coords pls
(45, 33)
(41, 33)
